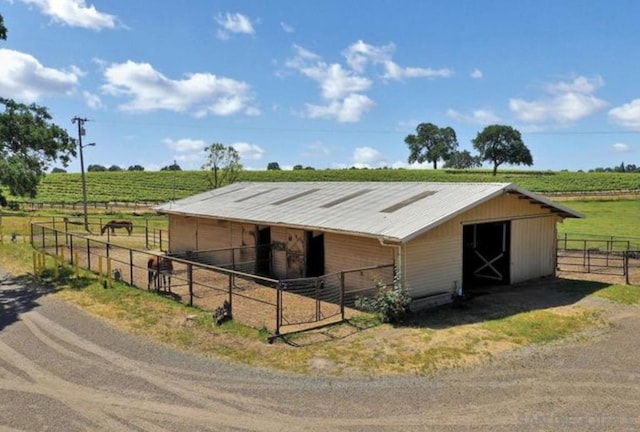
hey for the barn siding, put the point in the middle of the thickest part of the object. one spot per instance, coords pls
(432, 262)
(183, 233)
(533, 245)
(212, 234)
(344, 252)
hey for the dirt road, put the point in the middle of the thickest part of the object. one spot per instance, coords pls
(62, 370)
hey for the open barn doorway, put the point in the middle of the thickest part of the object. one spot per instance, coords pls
(486, 254)
(263, 252)
(315, 254)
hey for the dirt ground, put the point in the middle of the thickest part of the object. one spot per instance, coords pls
(61, 369)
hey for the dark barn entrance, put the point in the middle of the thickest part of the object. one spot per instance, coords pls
(486, 254)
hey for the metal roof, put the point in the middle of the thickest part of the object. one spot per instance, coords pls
(390, 211)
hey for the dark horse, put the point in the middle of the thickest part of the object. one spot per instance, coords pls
(159, 269)
(113, 224)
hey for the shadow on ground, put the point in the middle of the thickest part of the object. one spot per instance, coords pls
(500, 302)
(19, 294)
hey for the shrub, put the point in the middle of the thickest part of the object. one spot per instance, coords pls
(392, 304)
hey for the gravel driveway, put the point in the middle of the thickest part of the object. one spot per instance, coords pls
(63, 370)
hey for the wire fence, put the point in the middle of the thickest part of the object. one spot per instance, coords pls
(210, 280)
(605, 255)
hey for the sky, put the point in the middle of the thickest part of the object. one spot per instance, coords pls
(331, 83)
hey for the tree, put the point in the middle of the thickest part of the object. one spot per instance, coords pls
(223, 164)
(500, 144)
(135, 168)
(29, 143)
(96, 168)
(273, 166)
(3, 29)
(298, 167)
(431, 143)
(59, 170)
(172, 167)
(462, 160)
(114, 168)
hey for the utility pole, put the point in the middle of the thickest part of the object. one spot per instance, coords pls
(81, 133)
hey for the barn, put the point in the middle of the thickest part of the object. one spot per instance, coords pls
(437, 237)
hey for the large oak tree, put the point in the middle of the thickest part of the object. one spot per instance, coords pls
(29, 143)
(501, 144)
(431, 143)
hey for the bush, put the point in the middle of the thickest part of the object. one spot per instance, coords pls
(392, 304)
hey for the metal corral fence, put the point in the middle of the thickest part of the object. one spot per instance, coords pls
(604, 255)
(207, 280)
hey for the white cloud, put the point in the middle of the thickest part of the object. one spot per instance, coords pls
(233, 23)
(347, 110)
(627, 115)
(92, 100)
(621, 148)
(569, 102)
(185, 145)
(360, 54)
(248, 151)
(393, 71)
(198, 93)
(24, 78)
(476, 74)
(479, 116)
(579, 84)
(368, 157)
(287, 28)
(74, 13)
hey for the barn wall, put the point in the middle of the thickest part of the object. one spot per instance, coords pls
(432, 262)
(213, 234)
(533, 248)
(182, 233)
(344, 252)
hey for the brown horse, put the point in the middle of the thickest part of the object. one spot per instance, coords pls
(113, 224)
(159, 270)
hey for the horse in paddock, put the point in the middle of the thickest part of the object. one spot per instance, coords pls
(159, 270)
(113, 224)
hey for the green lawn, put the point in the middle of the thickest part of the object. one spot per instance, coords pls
(617, 218)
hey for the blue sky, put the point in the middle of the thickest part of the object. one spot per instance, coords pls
(331, 83)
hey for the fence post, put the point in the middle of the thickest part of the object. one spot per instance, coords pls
(190, 283)
(89, 254)
(231, 294)
(317, 299)
(342, 295)
(56, 240)
(625, 266)
(131, 267)
(278, 307)
(146, 233)
(71, 254)
(588, 261)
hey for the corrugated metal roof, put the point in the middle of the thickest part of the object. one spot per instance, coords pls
(393, 211)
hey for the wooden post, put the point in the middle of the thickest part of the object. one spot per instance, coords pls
(625, 266)
(131, 267)
(100, 269)
(190, 282)
(109, 272)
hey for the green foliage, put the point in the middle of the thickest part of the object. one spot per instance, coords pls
(3, 29)
(173, 167)
(135, 168)
(162, 186)
(462, 160)
(96, 168)
(501, 144)
(222, 165)
(431, 143)
(29, 143)
(392, 304)
(273, 166)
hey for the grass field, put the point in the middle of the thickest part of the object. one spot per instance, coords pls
(161, 186)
